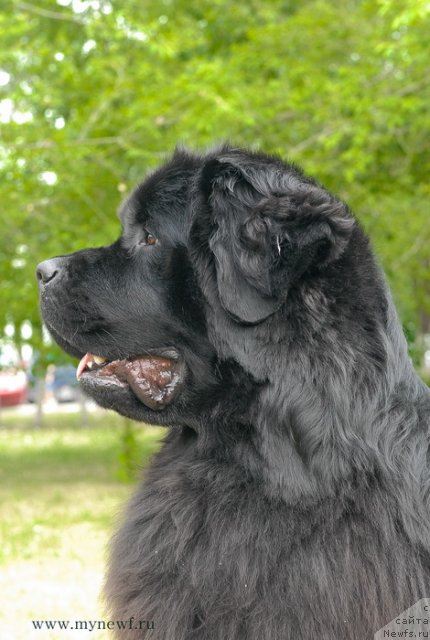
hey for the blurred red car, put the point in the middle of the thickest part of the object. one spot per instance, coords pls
(13, 388)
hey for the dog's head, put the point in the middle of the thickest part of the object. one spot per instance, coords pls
(223, 260)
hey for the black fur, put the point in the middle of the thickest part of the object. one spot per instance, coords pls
(290, 500)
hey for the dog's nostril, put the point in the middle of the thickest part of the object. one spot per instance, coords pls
(46, 271)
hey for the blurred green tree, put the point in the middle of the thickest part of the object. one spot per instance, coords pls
(93, 93)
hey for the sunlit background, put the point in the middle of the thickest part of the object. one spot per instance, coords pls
(93, 94)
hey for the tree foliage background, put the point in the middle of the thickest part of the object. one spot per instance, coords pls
(93, 93)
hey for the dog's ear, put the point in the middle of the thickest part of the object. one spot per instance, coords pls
(272, 228)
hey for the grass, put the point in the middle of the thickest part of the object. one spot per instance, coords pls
(59, 500)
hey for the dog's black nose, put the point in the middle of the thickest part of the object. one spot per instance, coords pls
(48, 270)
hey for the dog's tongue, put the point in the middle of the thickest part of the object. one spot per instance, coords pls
(154, 379)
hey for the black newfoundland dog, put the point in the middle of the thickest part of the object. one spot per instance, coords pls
(242, 307)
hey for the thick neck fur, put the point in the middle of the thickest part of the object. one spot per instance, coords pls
(328, 408)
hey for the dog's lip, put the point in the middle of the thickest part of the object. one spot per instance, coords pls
(155, 378)
(90, 359)
(93, 361)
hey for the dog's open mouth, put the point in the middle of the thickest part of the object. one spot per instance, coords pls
(155, 379)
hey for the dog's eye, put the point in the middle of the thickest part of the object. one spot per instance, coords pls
(148, 238)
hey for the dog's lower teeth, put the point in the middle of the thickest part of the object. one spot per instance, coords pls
(99, 359)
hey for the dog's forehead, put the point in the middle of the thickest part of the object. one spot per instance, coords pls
(163, 193)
